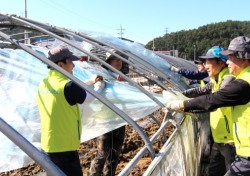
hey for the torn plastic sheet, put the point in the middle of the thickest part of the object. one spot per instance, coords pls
(20, 74)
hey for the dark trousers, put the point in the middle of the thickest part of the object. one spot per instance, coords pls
(68, 162)
(109, 147)
(240, 166)
(222, 155)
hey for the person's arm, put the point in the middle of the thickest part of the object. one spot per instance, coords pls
(74, 94)
(198, 91)
(98, 83)
(236, 92)
(98, 87)
(199, 75)
(226, 80)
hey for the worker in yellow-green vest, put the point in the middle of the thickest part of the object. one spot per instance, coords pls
(58, 100)
(223, 150)
(236, 94)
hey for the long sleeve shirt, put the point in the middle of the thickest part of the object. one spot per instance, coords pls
(194, 75)
(236, 92)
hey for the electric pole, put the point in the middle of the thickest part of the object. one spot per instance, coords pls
(194, 52)
(25, 9)
(153, 47)
(121, 31)
(166, 30)
(26, 40)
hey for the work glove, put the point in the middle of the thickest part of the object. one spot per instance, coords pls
(99, 84)
(174, 69)
(93, 79)
(174, 105)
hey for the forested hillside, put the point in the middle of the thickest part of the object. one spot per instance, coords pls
(196, 42)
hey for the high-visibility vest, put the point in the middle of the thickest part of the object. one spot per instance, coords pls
(241, 120)
(60, 122)
(221, 122)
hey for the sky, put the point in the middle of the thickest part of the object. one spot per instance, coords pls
(137, 20)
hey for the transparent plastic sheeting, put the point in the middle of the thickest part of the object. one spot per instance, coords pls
(20, 74)
(140, 51)
(180, 157)
(133, 47)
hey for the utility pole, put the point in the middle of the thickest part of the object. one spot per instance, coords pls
(26, 40)
(194, 52)
(121, 31)
(173, 51)
(166, 30)
(153, 47)
(25, 8)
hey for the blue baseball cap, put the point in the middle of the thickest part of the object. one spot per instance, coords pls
(215, 52)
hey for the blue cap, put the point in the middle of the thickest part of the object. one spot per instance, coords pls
(214, 52)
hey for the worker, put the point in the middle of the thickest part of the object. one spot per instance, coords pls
(236, 94)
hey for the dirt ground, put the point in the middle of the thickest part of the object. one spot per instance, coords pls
(132, 144)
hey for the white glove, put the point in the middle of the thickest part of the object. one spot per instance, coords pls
(93, 79)
(99, 85)
(172, 68)
(174, 105)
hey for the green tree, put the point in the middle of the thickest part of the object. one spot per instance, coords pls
(203, 38)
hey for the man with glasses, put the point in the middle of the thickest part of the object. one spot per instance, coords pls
(236, 94)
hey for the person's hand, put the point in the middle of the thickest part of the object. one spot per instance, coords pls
(99, 84)
(173, 68)
(98, 78)
(93, 79)
(119, 78)
(175, 105)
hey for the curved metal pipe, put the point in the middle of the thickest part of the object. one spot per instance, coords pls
(87, 88)
(39, 157)
(93, 56)
(140, 154)
(148, 76)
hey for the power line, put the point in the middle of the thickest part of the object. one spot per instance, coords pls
(71, 12)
